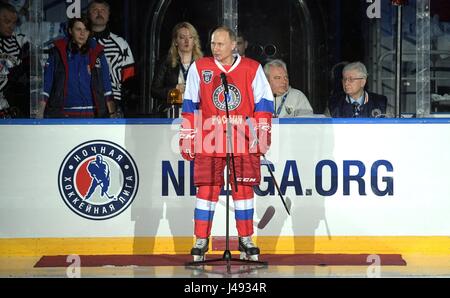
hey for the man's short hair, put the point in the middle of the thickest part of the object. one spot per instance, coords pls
(276, 63)
(97, 2)
(358, 66)
(230, 32)
(7, 7)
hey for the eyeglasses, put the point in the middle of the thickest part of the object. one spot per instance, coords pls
(351, 80)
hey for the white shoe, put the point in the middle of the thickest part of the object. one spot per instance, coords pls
(199, 249)
(249, 251)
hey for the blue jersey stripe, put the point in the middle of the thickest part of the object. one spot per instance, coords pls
(189, 106)
(264, 105)
(203, 215)
(243, 214)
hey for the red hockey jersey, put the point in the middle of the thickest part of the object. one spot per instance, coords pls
(204, 109)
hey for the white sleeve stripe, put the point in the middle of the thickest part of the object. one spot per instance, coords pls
(192, 90)
(261, 87)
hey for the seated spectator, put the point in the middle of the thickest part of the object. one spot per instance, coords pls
(15, 67)
(172, 70)
(288, 102)
(76, 77)
(356, 102)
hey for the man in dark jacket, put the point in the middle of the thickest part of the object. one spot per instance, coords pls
(76, 78)
(356, 102)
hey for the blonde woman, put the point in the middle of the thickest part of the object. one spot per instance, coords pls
(172, 71)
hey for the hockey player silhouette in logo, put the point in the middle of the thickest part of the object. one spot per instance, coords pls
(99, 171)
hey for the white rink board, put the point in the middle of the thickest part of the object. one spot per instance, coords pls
(31, 205)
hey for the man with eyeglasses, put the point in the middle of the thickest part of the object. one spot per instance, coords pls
(356, 102)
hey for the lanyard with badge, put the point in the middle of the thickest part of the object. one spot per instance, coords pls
(283, 100)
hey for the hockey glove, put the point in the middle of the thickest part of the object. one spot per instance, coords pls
(264, 133)
(187, 139)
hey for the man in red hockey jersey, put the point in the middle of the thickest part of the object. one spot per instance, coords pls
(203, 135)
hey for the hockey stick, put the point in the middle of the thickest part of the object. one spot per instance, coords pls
(103, 192)
(287, 203)
(267, 216)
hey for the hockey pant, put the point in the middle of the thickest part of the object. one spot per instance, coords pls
(207, 198)
(209, 177)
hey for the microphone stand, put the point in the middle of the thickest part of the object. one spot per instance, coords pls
(229, 156)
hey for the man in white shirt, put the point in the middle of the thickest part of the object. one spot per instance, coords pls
(288, 102)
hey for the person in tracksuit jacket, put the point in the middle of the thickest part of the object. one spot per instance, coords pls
(76, 77)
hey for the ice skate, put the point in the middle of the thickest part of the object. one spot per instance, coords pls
(248, 250)
(199, 249)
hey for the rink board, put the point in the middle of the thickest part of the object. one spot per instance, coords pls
(355, 185)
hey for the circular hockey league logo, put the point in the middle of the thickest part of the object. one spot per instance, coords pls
(219, 98)
(98, 180)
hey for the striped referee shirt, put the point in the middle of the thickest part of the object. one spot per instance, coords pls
(120, 59)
